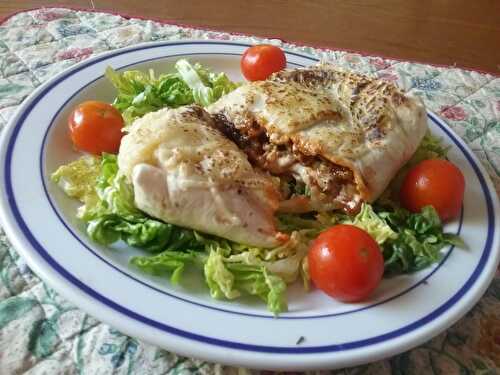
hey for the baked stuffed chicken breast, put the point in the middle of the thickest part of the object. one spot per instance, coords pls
(334, 138)
(185, 172)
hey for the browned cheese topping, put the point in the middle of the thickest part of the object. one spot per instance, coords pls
(335, 137)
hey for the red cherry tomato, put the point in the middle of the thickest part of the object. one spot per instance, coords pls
(96, 127)
(259, 62)
(434, 182)
(346, 263)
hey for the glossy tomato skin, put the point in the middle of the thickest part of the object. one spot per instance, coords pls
(434, 182)
(346, 263)
(259, 62)
(96, 127)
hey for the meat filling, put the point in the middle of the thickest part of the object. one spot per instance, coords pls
(326, 182)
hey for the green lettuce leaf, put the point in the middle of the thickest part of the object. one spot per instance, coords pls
(78, 179)
(206, 86)
(283, 261)
(219, 279)
(115, 195)
(368, 220)
(228, 280)
(227, 277)
(420, 239)
(140, 92)
(167, 262)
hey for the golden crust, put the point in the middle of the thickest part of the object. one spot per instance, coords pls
(185, 172)
(354, 121)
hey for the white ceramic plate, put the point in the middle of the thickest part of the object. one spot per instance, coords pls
(40, 221)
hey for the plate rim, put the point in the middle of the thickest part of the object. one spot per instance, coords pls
(19, 243)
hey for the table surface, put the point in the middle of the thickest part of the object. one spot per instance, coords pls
(461, 32)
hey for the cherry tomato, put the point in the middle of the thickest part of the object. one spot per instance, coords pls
(435, 182)
(259, 62)
(346, 263)
(96, 127)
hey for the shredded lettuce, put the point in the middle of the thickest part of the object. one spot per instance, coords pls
(368, 220)
(78, 179)
(419, 240)
(227, 276)
(142, 92)
(409, 241)
(167, 262)
(283, 261)
(206, 86)
(227, 280)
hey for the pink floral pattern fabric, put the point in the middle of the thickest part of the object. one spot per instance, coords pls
(58, 338)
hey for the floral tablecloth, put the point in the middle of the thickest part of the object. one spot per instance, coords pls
(41, 333)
